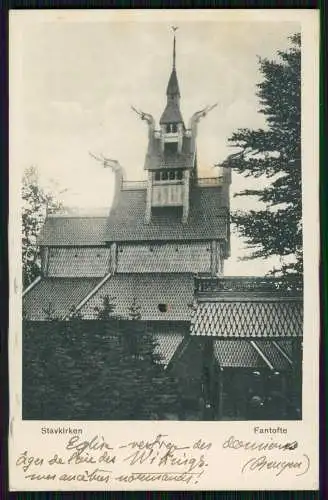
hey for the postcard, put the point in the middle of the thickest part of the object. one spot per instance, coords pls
(164, 250)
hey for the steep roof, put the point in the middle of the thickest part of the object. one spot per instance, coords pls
(171, 113)
(248, 318)
(82, 262)
(167, 345)
(245, 354)
(287, 346)
(208, 218)
(173, 85)
(69, 230)
(237, 354)
(56, 296)
(150, 290)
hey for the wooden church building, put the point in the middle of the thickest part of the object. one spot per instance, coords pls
(164, 243)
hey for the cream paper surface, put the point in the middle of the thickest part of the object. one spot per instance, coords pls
(40, 453)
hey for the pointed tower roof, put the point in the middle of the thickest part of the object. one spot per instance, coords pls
(173, 85)
(172, 113)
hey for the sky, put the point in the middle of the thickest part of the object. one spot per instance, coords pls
(76, 81)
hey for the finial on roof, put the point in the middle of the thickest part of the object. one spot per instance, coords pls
(174, 29)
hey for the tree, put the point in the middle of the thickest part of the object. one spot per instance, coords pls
(274, 155)
(37, 202)
(150, 391)
(139, 386)
(106, 369)
(107, 309)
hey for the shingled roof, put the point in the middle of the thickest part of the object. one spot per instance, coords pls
(175, 291)
(208, 218)
(54, 298)
(60, 230)
(173, 85)
(245, 354)
(237, 354)
(171, 113)
(81, 262)
(167, 344)
(249, 318)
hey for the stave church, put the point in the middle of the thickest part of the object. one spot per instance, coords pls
(164, 242)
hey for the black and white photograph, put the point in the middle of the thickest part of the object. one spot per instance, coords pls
(161, 171)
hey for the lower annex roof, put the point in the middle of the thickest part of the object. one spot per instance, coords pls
(161, 296)
(252, 318)
(167, 344)
(53, 298)
(243, 353)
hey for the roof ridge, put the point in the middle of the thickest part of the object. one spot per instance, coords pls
(157, 273)
(31, 285)
(70, 278)
(89, 295)
(77, 216)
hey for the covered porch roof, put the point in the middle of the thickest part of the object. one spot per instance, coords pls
(253, 308)
(248, 354)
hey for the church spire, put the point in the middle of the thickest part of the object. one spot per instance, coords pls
(172, 113)
(173, 85)
(174, 28)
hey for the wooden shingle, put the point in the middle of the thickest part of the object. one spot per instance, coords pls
(54, 298)
(253, 319)
(161, 296)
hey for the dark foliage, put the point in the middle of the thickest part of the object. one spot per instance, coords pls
(274, 154)
(37, 202)
(94, 370)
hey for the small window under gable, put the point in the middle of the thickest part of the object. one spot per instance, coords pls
(171, 128)
(179, 175)
(171, 175)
